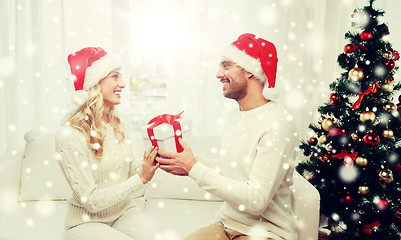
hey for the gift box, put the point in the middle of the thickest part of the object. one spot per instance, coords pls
(164, 131)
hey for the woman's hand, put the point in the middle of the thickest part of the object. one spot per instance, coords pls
(149, 165)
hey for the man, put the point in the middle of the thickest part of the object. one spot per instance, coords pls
(258, 151)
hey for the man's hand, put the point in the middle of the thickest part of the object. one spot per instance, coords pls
(177, 163)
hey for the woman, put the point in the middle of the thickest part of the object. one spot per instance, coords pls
(96, 156)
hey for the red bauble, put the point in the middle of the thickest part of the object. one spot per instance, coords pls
(349, 48)
(336, 131)
(349, 199)
(390, 64)
(371, 139)
(396, 55)
(334, 97)
(382, 204)
(312, 141)
(366, 35)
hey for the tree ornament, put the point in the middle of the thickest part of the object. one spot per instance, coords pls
(372, 139)
(336, 132)
(386, 175)
(334, 97)
(323, 158)
(388, 133)
(387, 87)
(396, 55)
(349, 48)
(382, 29)
(356, 74)
(329, 147)
(382, 204)
(366, 35)
(312, 141)
(322, 139)
(390, 64)
(354, 135)
(363, 190)
(388, 54)
(389, 106)
(367, 117)
(349, 199)
(327, 124)
(361, 161)
(389, 80)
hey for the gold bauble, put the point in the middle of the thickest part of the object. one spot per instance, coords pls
(327, 124)
(388, 133)
(363, 190)
(322, 139)
(387, 87)
(386, 175)
(388, 54)
(367, 117)
(354, 136)
(360, 161)
(389, 106)
(356, 74)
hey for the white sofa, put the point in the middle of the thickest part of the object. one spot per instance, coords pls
(33, 193)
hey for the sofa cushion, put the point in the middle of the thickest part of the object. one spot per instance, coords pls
(41, 177)
(34, 220)
(176, 219)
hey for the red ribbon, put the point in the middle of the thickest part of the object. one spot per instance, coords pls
(169, 119)
(373, 88)
(344, 154)
(367, 228)
(357, 104)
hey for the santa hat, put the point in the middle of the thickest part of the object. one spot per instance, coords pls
(89, 66)
(258, 57)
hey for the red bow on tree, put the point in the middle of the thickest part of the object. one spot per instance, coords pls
(367, 228)
(344, 154)
(169, 119)
(373, 88)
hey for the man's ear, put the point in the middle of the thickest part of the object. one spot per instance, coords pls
(248, 75)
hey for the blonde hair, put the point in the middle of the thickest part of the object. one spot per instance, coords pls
(87, 119)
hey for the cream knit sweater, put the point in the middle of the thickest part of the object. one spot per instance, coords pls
(102, 189)
(254, 172)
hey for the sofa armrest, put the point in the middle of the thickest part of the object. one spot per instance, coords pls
(10, 172)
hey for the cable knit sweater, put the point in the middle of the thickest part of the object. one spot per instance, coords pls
(254, 172)
(102, 189)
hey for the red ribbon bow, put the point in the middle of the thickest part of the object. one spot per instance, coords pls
(373, 88)
(169, 119)
(357, 104)
(367, 228)
(344, 154)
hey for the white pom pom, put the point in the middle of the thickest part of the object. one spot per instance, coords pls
(79, 97)
(270, 93)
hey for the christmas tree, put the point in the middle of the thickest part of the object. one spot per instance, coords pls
(354, 153)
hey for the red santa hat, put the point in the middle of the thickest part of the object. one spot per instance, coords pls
(89, 66)
(258, 57)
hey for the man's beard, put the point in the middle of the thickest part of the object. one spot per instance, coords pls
(237, 90)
